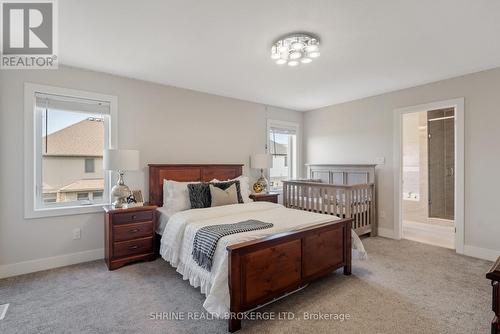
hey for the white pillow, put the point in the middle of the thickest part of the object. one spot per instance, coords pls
(244, 187)
(176, 195)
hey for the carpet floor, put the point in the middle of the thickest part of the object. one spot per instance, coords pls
(403, 287)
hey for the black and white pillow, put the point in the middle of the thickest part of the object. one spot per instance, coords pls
(200, 197)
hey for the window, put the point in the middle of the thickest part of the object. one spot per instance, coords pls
(82, 196)
(71, 132)
(64, 150)
(282, 145)
(97, 195)
(89, 165)
(49, 197)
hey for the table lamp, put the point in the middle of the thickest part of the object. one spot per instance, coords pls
(261, 161)
(121, 161)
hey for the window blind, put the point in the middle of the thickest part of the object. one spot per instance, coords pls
(283, 130)
(57, 102)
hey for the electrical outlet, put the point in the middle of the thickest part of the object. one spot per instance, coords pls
(382, 214)
(380, 160)
(77, 234)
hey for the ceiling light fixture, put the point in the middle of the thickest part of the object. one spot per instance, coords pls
(294, 49)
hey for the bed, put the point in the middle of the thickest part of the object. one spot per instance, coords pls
(251, 268)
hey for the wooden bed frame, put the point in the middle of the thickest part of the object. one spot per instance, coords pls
(264, 269)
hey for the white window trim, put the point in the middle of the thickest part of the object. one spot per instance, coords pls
(30, 210)
(290, 125)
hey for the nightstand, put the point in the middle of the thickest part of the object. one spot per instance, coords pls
(129, 235)
(494, 276)
(265, 197)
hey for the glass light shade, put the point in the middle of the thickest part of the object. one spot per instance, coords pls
(312, 47)
(297, 45)
(282, 48)
(306, 60)
(281, 61)
(295, 55)
(275, 56)
(314, 54)
(293, 63)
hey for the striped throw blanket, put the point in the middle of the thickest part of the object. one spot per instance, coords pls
(206, 238)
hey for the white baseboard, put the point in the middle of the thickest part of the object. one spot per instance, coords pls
(473, 251)
(32, 266)
(386, 232)
(481, 253)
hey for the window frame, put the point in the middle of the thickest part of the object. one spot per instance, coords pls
(295, 126)
(32, 168)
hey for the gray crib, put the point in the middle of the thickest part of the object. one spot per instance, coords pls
(339, 190)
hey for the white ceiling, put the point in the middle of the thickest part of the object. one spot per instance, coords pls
(222, 46)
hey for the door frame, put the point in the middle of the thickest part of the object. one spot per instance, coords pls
(459, 105)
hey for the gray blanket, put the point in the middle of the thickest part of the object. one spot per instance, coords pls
(206, 238)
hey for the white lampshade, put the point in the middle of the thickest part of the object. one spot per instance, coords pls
(261, 161)
(124, 160)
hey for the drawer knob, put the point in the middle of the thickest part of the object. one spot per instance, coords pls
(133, 247)
(133, 216)
(135, 230)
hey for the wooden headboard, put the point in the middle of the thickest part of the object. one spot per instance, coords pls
(186, 173)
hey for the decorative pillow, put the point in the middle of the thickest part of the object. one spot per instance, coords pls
(223, 197)
(199, 193)
(244, 187)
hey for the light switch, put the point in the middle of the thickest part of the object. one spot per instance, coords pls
(77, 234)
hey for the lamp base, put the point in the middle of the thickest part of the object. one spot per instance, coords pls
(120, 192)
(260, 185)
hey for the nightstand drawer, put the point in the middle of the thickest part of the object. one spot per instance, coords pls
(132, 231)
(137, 246)
(131, 217)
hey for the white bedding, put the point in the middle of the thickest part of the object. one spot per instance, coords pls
(179, 231)
(163, 215)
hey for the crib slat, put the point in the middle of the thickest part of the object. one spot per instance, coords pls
(356, 201)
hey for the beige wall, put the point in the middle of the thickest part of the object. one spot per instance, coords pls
(362, 130)
(167, 125)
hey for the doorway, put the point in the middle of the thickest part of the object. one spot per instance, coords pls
(429, 173)
(428, 186)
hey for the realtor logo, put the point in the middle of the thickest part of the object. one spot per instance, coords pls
(28, 34)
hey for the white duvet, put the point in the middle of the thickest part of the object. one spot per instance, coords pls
(179, 231)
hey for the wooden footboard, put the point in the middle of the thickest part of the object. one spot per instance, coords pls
(264, 269)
